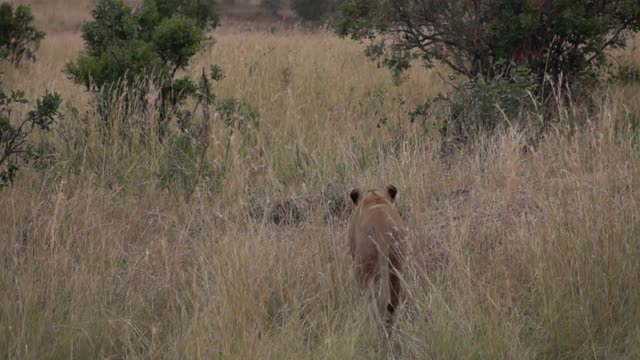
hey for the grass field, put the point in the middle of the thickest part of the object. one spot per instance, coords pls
(538, 257)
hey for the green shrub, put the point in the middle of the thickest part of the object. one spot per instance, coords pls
(112, 27)
(176, 41)
(484, 104)
(557, 38)
(133, 60)
(561, 42)
(146, 47)
(14, 139)
(19, 39)
(125, 45)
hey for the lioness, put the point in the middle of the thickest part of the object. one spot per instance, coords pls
(376, 243)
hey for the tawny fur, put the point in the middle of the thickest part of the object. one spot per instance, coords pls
(377, 236)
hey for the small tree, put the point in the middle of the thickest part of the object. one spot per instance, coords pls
(123, 47)
(176, 41)
(490, 42)
(475, 37)
(19, 39)
(14, 139)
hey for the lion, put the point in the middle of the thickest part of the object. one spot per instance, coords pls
(377, 236)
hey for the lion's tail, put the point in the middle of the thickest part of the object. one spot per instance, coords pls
(385, 308)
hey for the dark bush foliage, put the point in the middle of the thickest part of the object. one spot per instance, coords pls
(125, 45)
(560, 42)
(19, 39)
(550, 37)
(14, 133)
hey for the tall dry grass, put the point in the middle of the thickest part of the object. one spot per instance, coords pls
(539, 258)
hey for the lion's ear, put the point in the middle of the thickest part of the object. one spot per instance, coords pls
(355, 195)
(392, 191)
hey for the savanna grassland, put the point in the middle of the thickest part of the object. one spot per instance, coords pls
(517, 250)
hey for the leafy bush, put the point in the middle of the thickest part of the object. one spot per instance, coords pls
(558, 38)
(313, 9)
(113, 26)
(559, 41)
(176, 40)
(484, 104)
(14, 139)
(19, 39)
(123, 47)
(133, 60)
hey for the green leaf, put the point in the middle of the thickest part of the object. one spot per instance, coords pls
(46, 110)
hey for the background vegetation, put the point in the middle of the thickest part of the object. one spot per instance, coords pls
(228, 241)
